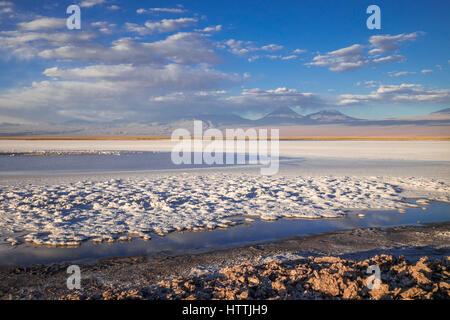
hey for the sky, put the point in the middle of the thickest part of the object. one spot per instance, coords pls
(144, 61)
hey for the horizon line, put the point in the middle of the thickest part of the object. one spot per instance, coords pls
(315, 138)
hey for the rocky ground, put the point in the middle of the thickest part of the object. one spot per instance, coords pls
(413, 261)
(311, 278)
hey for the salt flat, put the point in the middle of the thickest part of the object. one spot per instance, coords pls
(66, 211)
(393, 150)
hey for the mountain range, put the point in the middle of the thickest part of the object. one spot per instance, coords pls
(322, 123)
(285, 116)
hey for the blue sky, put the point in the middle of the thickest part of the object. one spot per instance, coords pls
(151, 60)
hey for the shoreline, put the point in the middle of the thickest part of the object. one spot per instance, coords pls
(142, 277)
(425, 138)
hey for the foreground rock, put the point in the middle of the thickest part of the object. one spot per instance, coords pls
(311, 278)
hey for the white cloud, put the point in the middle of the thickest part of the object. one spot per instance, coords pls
(43, 24)
(253, 58)
(133, 27)
(46, 97)
(180, 96)
(166, 10)
(6, 7)
(400, 73)
(212, 29)
(116, 92)
(239, 47)
(169, 25)
(278, 57)
(184, 48)
(426, 71)
(165, 25)
(354, 57)
(387, 43)
(277, 97)
(271, 47)
(113, 7)
(171, 76)
(344, 59)
(403, 93)
(243, 48)
(101, 93)
(26, 45)
(299, 51)
(103, 26)
(90, 3)
(291, 57)
(370, 84)
(6, 10)
(391, 58)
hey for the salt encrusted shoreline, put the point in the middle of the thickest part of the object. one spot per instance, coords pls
(414, 264)
(112, 210)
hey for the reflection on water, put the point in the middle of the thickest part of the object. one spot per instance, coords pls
(90, 163)
(240, 235)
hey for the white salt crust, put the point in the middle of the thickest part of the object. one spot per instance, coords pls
(113, 210)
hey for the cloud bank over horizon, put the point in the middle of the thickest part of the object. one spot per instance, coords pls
(132, 63)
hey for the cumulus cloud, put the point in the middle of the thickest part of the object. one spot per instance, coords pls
(43, 24)
(291, 57)
(184, 48)
(163, 26)
(238, 47)
(103, 93)
(212, 29)
(386, 43)
(169, 25)
(264, 99)
(345, 59)
(6, 7)
(403, 93)
(171, 76)
(133, 27)
(243, 48)
(103, 26)
(127, 92)
(91, 3)
(355, 57)
(165, 10)
(276, 57)
(271, 47)
(182, 97)
(251, 100)
(391, 58)
(47, 100)
(400, 73)
(26, 45)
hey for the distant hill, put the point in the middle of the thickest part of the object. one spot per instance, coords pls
(225, 119)
(281, 116)
(329, 116)
(321, 123)
(443, 111)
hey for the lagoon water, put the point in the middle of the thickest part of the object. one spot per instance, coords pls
(11, 164)
(240, 235)
(309, 159)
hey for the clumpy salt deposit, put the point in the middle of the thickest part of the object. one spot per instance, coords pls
(66, 214)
